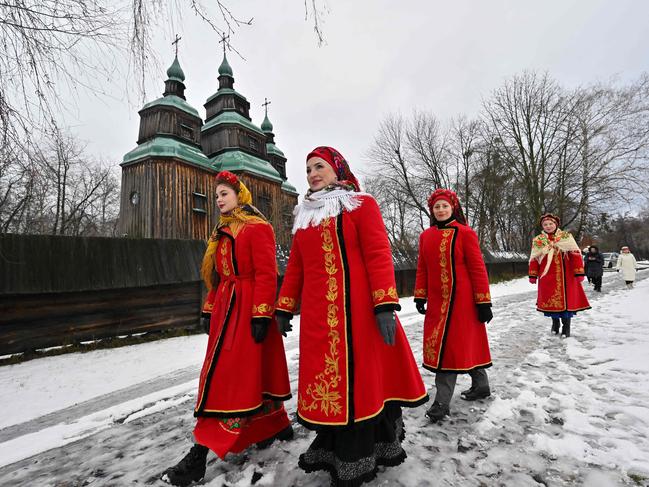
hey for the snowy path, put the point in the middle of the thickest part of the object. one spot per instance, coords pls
(563, 412)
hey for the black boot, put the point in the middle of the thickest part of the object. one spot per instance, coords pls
(437, 411)
(555, 326)
(190, 469)
(565, 331)
(476, 393)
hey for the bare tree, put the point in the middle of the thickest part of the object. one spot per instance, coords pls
(537, 147)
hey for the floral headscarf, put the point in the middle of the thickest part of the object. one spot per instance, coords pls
(339, 165)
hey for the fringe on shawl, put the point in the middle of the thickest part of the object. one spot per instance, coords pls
(312, 212)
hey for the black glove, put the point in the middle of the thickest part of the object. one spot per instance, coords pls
(484, 313)
(387, 325)
(259, 328)
(421, 306)
(283, 324)
(205, 324)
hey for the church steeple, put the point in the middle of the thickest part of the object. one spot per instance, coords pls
(175, 78)
(275, 156)
(266, 126)
(170, 117)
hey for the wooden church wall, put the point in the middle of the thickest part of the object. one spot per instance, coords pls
(234, 136)
(175, 122)
(167, 201)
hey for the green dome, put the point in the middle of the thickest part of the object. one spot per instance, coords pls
(224, 68)
(175, 72)
(266, 126)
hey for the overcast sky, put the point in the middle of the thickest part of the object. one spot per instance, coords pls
(380, 57)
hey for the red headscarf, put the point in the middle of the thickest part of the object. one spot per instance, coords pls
(451, 197)
(338, 163)
(550, 216)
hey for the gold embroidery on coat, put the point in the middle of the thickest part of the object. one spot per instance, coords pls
(379, 294)
(224, 258)
(263, 308)
(323, 392)
(421, 293)
(287, 302)
(482, 297)
(431, 343)
(556, 300)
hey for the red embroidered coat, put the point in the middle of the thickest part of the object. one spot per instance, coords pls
(559, 290)
(341, 273)
(452, 278)
(238, 373)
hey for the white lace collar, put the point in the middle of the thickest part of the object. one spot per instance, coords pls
(323, 204)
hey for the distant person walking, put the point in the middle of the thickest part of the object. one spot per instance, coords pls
(594, 267)
(626, 264)
(556, 262)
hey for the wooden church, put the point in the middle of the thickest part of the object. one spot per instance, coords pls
(168, 184)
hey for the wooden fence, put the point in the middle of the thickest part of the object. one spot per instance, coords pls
(57, 290)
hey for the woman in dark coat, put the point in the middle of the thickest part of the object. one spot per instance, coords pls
(594, 267)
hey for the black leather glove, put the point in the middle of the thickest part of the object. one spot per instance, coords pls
(484, 313)
(283, 324)
(205, 324)
(260, 328)
(387, 322)
(421, 306)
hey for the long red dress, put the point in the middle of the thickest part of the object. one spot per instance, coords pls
(452, 277)
(559, 291)
(242, 383)
(341, 272)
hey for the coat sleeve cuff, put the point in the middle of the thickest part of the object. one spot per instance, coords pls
(263, 310)
(286, 304)
(421, 293)
(482, 298)
(383, 296)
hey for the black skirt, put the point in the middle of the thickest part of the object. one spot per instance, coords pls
(353, 454)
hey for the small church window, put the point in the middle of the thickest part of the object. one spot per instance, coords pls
(199, 203)
(263, 204)
(186, 131)
(254, 145)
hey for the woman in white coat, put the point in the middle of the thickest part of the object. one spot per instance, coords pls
(626, 263)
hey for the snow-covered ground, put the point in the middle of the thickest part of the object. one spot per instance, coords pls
(562, 412)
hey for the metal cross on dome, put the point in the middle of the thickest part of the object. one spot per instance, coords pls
(225, 40)
(175, 43)
(265, 105)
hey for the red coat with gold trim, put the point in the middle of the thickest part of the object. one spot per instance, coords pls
(452, 278)
(559, 290)
(341, 273)
(238, 373)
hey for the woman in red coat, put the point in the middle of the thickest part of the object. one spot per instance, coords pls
(356, 366)
(452, 280)
(244, 378)
(556, 262)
